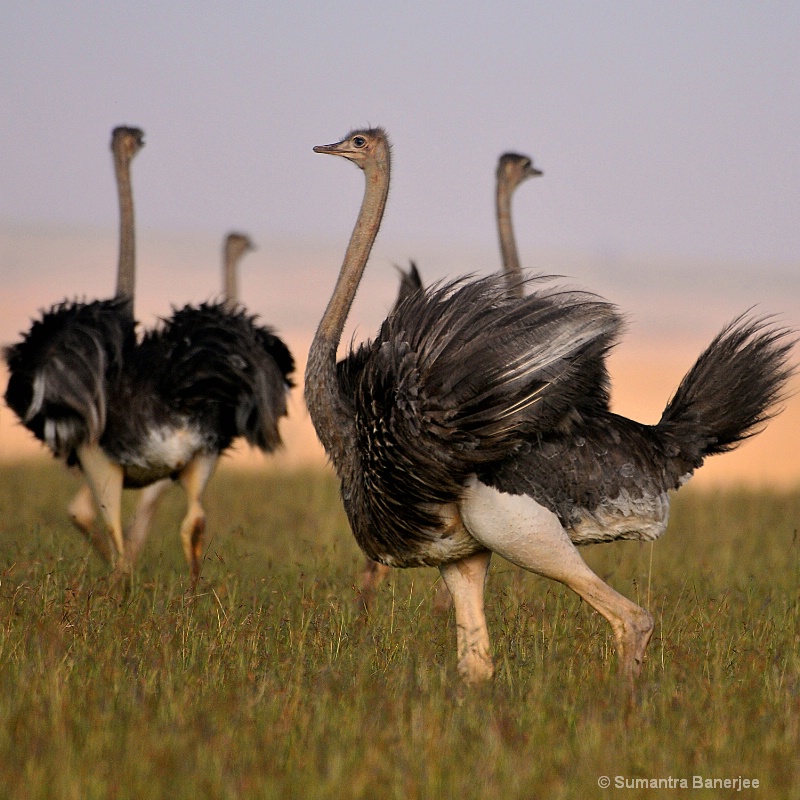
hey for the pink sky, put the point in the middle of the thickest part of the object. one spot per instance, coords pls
(288, 285)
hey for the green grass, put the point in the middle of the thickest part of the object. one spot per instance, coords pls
(267, 683)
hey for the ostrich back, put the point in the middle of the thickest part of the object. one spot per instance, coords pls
(610, 478)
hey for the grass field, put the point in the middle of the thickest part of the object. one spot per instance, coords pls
(267, 682)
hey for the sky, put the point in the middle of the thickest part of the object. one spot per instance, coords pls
(664, 129)
(669, 137)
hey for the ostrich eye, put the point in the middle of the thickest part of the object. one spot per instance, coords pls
(359, 141)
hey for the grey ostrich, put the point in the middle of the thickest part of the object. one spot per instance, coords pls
(478, 422)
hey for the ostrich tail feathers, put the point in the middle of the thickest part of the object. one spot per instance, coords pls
(733, 389)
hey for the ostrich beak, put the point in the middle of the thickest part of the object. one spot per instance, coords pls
(331, 149)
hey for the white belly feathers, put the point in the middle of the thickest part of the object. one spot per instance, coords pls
(491, 514)
(165, 451)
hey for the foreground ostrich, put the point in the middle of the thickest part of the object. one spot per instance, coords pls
(474, 424)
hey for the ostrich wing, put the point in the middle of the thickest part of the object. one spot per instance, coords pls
(61, 371)
(460, 377)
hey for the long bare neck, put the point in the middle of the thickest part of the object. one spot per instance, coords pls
(505, 229)
(126, 266)
(323, 396)
(230, 285)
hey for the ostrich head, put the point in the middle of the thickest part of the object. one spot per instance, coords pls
(362, 147)
(516, 168)
(237, 244)
(127, 142)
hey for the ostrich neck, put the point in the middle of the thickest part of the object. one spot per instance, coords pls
(126, 267)
(508, 247)
(229, 281)
(326, 405)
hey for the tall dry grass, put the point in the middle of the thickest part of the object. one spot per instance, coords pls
(267, 682)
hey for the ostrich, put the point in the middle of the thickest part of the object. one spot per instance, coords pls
(257, 366)
(206, 377)
(512, 170)
(59, 371)
(266, 351)
(478, 422)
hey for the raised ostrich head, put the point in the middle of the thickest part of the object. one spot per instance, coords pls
(237, 244)
(362, 147)
(514, 168)
(126, 142)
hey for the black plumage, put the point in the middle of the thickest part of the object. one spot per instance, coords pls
(227, 373)
(135, 413)
(79, 376)
(60, 371)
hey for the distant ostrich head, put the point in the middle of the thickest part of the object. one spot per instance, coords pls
(516, 168)
(512, 170)
(237, 244)
(127, 142)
